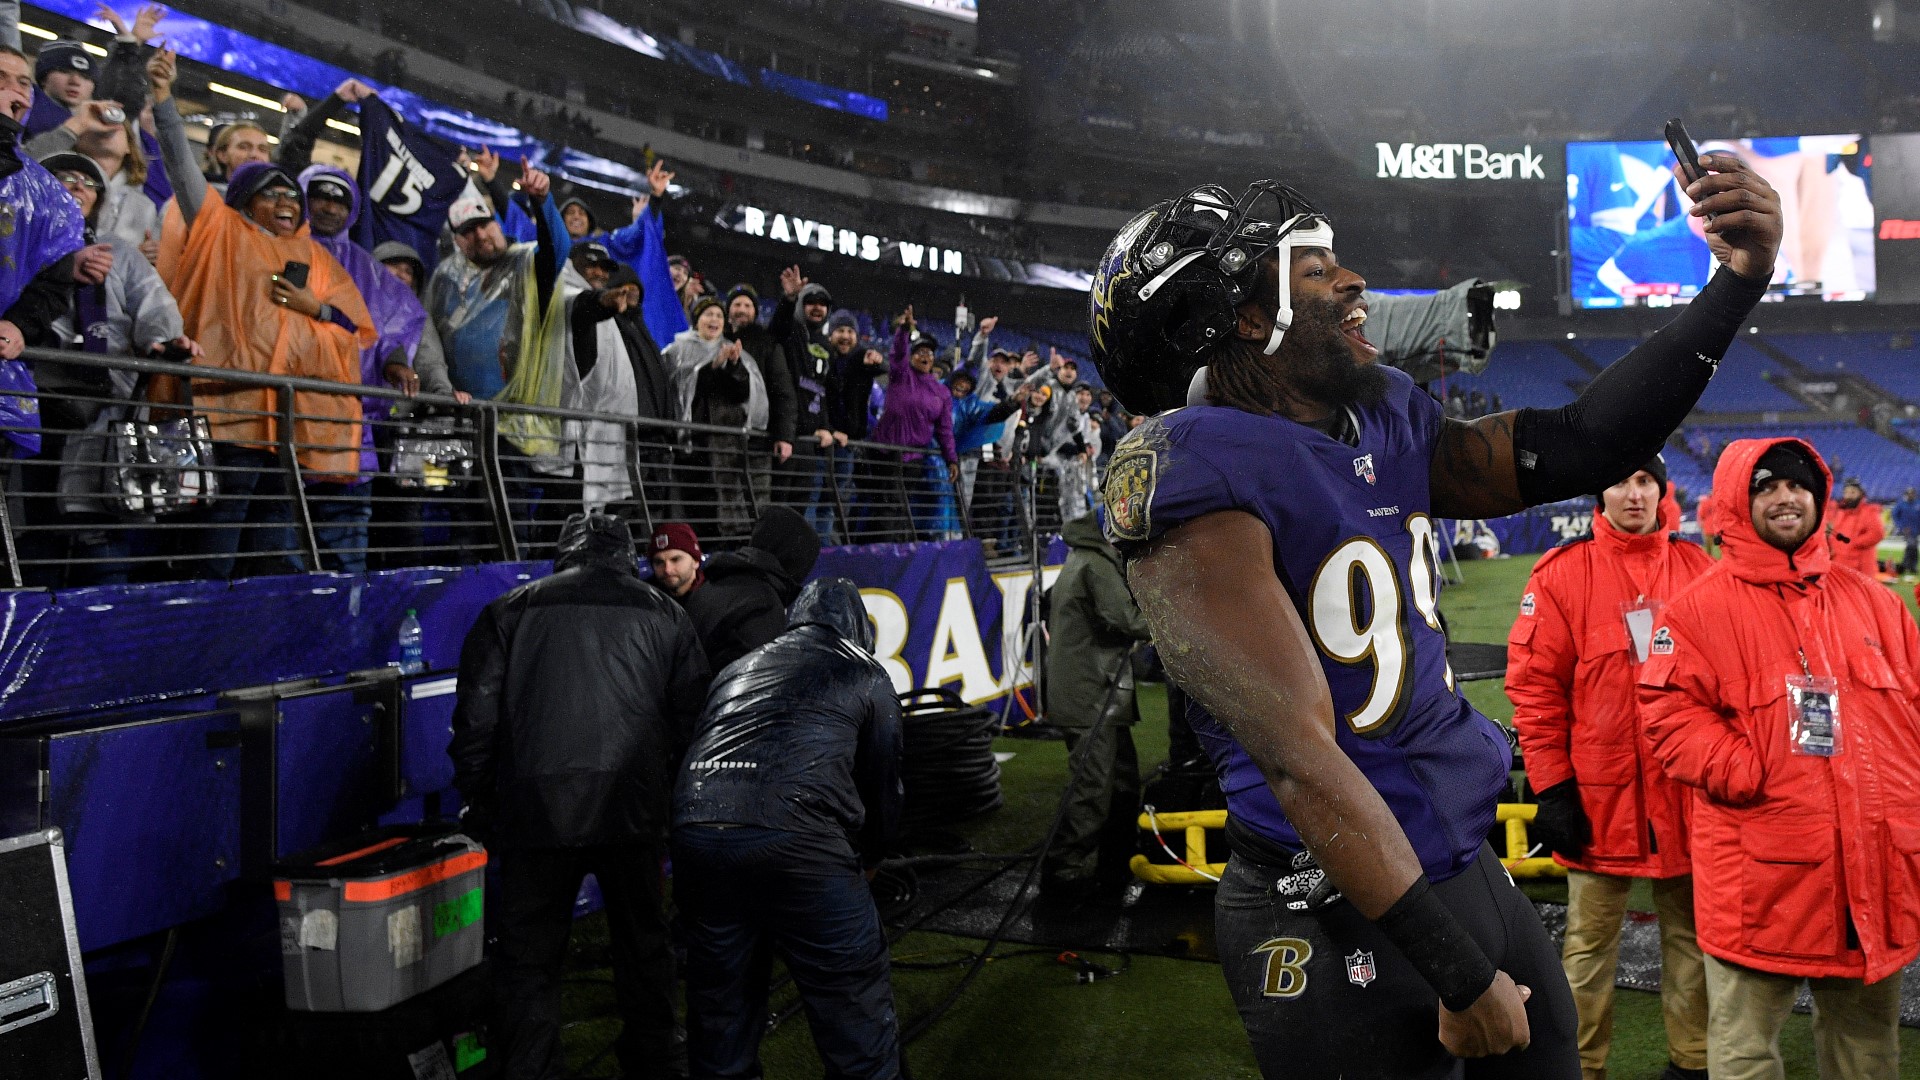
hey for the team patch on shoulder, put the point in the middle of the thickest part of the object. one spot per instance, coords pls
(1526, 604)
(1128, 492)
(1662, 643)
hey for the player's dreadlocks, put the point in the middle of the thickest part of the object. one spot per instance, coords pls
(1241, 376)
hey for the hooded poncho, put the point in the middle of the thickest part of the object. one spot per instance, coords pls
(397, 315)
(222, 280)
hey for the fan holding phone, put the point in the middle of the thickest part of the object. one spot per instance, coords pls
(290, 290)
(262, 296)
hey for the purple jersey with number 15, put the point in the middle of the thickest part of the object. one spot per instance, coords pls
(1354, 544)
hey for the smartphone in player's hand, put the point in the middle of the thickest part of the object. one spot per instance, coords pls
(1683, 150)
(295, 273)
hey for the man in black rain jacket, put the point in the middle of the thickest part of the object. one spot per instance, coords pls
(791, 788)
(578, 693)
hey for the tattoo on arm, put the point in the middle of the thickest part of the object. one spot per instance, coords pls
(1473, 468)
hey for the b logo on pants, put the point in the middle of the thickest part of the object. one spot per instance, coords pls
(1286, 966)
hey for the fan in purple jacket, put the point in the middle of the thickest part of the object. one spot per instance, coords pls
(919, 407)
(40, 224)
(333, 199)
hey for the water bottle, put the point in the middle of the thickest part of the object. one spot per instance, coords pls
(413, 657)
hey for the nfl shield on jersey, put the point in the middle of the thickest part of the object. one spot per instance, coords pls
(1360, 968)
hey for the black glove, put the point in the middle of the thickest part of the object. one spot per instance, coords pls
(1560, 824)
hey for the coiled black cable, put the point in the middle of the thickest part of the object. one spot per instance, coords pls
(947, 767)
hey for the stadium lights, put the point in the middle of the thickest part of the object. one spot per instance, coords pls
(45, 34)
(242, 95)
(1571, 335)
(340, 125)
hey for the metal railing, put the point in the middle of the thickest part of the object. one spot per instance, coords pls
(122, 489)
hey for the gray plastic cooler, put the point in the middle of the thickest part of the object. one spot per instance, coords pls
(370, 927)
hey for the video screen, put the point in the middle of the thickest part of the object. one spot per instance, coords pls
(1898, 202)
(1632, 243)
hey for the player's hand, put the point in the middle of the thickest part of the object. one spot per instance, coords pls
(1745, 231)
(12, 341)
(987, 324)
(353, 91)
(782, 451)
(1494, 1024)
(487, 164)
(823, 437)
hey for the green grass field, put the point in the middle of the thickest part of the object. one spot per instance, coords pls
(1025, 1018)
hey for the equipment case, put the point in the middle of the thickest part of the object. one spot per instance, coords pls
(46, 1028)
(368, 924)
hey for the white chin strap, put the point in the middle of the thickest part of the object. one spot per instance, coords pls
(1319, 235)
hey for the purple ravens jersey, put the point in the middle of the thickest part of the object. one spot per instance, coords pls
(1355, 547)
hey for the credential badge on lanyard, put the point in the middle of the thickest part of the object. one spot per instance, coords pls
(1813, 713)
(1641, 616)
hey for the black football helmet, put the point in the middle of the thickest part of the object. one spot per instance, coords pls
(1164, 294)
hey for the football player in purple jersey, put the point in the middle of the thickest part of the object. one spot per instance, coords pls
(1278, 516)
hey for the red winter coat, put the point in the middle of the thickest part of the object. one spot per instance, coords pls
(1570, 674)
(1789, 849)
(1856, 536)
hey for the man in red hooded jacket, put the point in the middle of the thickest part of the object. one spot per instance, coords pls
(1781, 688)
(1606, 811)
(1856, 528)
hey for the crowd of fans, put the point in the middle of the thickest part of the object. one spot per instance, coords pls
(124, 240)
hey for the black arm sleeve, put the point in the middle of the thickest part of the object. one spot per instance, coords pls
(1628, 411)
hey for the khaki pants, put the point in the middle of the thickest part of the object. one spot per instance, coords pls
(1596, 904)
(1856, 1025)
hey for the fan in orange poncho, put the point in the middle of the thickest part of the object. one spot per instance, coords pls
(240, 302)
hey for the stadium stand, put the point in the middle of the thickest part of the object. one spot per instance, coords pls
(1524, 374)
(1883, 466)
(1888, 361)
